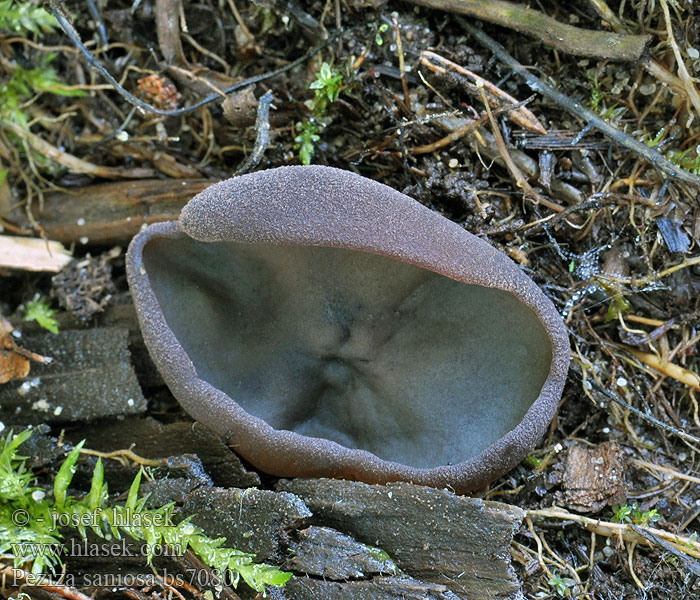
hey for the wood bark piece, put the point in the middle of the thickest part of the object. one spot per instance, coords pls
(111, 213)
(251, 520)
(32, 254)
(150, 439)
(91, 377)
(379, 588)
(432, 535)
(594, 477)
(327, 553)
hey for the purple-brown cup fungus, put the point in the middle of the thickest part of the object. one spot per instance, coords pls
(330, 326)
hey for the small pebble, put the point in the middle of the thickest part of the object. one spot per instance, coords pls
(453, 164)
(693, 53)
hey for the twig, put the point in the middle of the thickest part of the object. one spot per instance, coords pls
(520, 180)
(497, 97)
(262, 126)
(577, 109)
(692, 565)
(666, 368)
(569, 39)
(93, 63)
(625, 531)
(402, 64)
(683, 74)
(642, 415)
(73, 163)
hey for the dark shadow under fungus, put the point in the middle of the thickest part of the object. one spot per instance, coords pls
(331, 326)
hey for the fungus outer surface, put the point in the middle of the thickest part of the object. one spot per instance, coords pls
(333, 326)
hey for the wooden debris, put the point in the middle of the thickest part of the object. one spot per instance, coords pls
(32, 254)
(91, 377)
(379, 588)
(149, 438)
(457, 542)
(15, 360)
(327, 553)
(110, 213)
(594, 477)
(251, 520)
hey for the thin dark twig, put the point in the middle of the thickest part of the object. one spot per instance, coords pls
(262, 127)
(101, 30)
(642, 415)
(93, 63)
(579, 110)
(692, 565)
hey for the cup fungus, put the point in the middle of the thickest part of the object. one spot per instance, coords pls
(331, 326)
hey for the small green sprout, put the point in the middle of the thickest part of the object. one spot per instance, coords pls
(327, 87)
(624, 513)
(598, 105)
(378, 38)
(39, 310)
(561, 585)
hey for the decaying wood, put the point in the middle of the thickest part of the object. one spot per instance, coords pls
(251, 520)
(432, 535)
(151, 439)
(345, 539)
(594, 477)
(111, 213)
(91, 377)
(32, 254)
(327, 553)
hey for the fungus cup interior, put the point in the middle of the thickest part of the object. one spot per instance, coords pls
(354, 347)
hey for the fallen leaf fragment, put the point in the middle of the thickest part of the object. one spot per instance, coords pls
(32, 254)
(14, 360)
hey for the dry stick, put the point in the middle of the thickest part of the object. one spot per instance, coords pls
(577, 110)
(624, 530)
(520, 180)
(642, 415)
(692, 565)
(262, 126)
(402, 64)
(683, 74)
(93, 63)
(521, 115)
(73, 163)
(572, 40)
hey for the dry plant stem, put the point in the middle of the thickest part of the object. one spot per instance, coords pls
(520, 180)
(402, 65)
(683, 74)
(605, 13)
(623, 531)
(562, 37)
(577, 110)
(661, 469)
(692, 565)
(448, 139)
(666, 368)
(122, 455)
(497, 97)
(73, 163)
